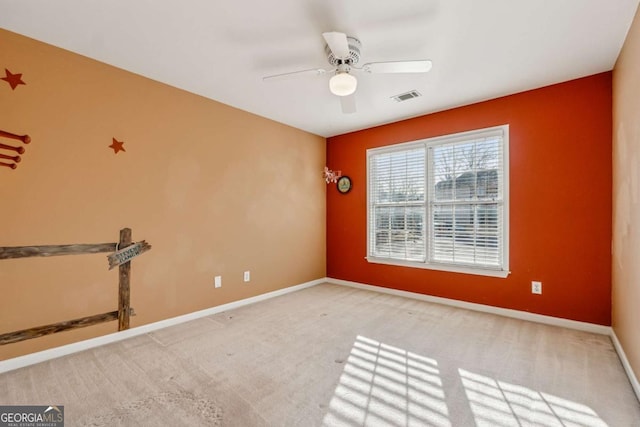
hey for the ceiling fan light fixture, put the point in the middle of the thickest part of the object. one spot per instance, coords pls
(343, 84)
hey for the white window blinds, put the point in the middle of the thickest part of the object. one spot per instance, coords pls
(397, 209)
(441, 202)
(466, 204)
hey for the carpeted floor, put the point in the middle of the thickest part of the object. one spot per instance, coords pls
(336, 356)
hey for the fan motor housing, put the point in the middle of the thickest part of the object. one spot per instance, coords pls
(354, 53)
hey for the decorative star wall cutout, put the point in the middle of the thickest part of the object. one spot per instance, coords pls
(117, 146)
(13, 79)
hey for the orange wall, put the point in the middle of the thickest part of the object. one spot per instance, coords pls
(626, 196)
(560, 202)
(213, 189)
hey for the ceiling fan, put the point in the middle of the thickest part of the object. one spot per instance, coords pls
(343, 52)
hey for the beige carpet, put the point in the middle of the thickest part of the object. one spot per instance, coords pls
(337, 356)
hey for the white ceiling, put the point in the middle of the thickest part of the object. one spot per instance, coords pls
(222, 49)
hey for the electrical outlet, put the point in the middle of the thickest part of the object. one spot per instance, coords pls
(217, 281)
(247, 276)
(536, 288)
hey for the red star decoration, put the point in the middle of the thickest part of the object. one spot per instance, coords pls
(13, 79)
(117, 146)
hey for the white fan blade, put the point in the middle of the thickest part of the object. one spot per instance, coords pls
(338, 44)
(295, 74)
(348, 104)
(420, 66)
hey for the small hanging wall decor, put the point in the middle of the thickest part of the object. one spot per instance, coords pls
(331, 176)
(19, 150)
(13, 79)
(117, 146)
(344, 184)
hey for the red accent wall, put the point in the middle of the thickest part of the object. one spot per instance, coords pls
(560, 202)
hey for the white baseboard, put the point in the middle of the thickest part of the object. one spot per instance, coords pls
(523, 315)
(41, 356)
(625, 363)
(53, 353)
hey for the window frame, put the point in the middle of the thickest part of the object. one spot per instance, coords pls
(502, 270)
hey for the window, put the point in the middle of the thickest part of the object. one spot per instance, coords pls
(441, 203)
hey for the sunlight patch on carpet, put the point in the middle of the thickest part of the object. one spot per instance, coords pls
(386, 385)
(500, 403)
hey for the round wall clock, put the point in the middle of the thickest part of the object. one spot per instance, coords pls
(344, 184)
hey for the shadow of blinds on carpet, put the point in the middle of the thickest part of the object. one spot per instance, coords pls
(386, 385)
(497, 402)
(382, 384)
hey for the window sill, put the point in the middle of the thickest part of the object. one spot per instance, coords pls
(442, 267)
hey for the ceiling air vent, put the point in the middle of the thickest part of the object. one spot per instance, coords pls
(406, 96)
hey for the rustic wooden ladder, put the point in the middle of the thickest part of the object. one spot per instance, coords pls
(124, 310)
